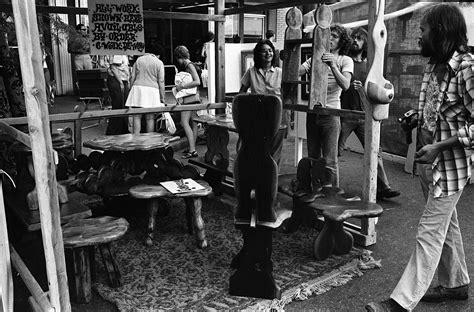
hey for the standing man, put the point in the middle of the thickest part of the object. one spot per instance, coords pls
(322, 131)
(117, 83)
(355, 99)
(445, 136)
(79, 46)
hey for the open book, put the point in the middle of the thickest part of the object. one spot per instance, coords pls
(182, 186)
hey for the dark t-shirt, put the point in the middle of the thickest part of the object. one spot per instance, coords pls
(352, 99)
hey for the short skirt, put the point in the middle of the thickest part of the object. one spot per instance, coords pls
(141, 96)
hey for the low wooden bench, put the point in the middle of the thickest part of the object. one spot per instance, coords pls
(195, 223)
(331, 202)
(80, 238)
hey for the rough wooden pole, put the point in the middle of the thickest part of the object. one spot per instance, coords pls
(372, 137)
(6, 281)
(31, 62)
(219, 36)
(40, 297)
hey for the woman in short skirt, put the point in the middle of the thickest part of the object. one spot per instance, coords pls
(181, 55)
(148, 86)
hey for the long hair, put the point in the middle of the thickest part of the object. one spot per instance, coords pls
(448, 31)
(362, 33)
(256, 56)
(345, 40)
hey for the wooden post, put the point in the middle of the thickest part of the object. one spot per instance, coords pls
(31, 62)
(219, 7)
(6, 281)
(372, 139)
(40, 297)
(241, 21)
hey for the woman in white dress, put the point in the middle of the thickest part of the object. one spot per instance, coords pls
(148, 87)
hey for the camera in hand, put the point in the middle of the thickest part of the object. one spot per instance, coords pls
(408, 121)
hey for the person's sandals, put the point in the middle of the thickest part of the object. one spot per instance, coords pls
(192, 154)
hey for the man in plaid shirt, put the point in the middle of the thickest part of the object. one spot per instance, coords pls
(444, 139)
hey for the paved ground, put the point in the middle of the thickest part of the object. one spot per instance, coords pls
(396, 231)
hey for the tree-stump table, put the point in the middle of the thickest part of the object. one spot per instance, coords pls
(195, 223)
(80, 237)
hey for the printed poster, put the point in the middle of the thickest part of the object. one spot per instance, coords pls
(116, 27)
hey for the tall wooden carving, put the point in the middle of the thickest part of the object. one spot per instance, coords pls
(256, 118)
(379, 90)
(294, 18)
(319, 70)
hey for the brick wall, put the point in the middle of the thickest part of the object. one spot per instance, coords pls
(403, 67)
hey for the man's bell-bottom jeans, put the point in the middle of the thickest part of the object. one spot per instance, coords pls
(438, 246)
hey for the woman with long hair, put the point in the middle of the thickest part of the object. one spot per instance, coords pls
(181, 54)
(264, 78)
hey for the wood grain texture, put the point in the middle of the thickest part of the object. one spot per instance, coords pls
(129, 142)
(29, 50)
(6, 280)
(144, 191)
(319, 69)
(93, 231)
(292, 61)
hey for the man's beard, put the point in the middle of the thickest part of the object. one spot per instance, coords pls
(354, 50)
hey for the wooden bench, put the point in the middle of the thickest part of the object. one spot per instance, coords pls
(331, 202)
(195, 223)
(80, 238)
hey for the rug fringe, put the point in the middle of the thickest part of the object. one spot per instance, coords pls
(320, 285)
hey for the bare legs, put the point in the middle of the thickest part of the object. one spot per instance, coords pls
(190, 128)
(150, 123)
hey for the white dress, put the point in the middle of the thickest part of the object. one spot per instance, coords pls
(145, 92)
(141, 96)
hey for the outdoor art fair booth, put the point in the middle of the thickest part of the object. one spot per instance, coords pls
(57, 295)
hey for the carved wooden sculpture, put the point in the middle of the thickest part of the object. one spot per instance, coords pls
(331, 202)
(319, 70)
(294, 19)
(256, 118)
(379, 90)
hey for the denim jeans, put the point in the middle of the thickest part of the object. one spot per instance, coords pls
(322, 133)
(438, 246)
(348, 125)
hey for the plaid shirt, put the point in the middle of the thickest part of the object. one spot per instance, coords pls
(452, 167)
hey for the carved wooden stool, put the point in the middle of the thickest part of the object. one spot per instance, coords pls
(80, 237)
(336, 208)
(193, 208)
(335, 205)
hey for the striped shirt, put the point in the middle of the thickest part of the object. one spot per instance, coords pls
(455, 117)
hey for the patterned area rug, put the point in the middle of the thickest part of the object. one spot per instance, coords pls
(175, 274)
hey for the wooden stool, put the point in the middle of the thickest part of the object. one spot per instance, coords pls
(337, 207)
(193, 208)
(80, 237)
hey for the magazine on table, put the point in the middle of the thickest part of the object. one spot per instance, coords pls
(182, 186)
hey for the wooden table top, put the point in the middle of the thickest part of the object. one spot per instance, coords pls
(155, 191)
(129, 142)
(223, 121)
